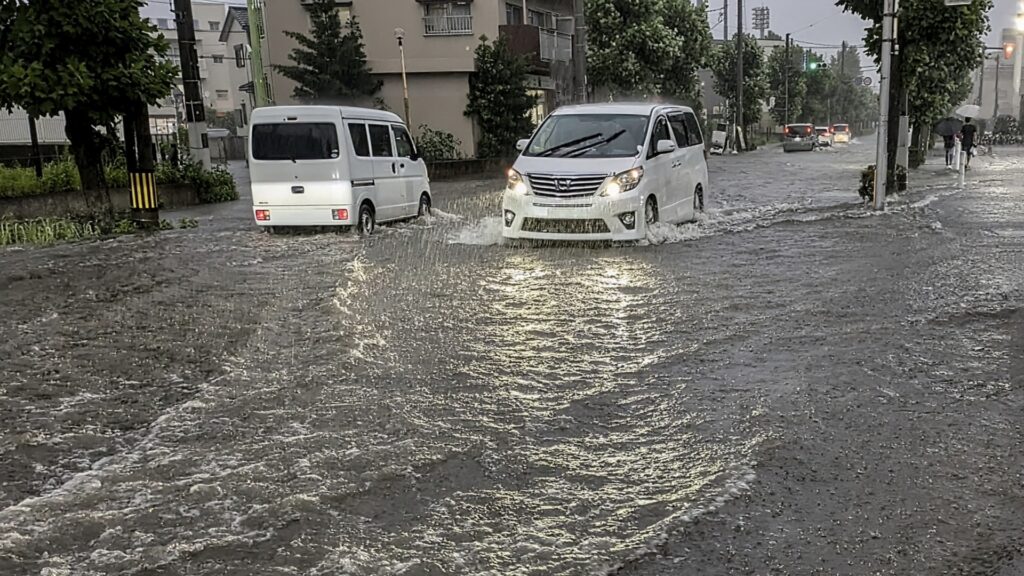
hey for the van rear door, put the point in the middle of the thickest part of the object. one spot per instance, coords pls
(297, 162)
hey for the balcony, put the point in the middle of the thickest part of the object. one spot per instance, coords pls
(540, 47)
(447, 25)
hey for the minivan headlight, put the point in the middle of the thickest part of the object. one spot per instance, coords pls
(515, 182)
(623, 182)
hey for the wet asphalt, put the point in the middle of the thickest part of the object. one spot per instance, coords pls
(792, 385)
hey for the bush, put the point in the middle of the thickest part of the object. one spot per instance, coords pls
(211, 186)
(61, 176)
(438, 145)
(867, 182)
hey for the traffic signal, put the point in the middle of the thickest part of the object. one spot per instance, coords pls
(1008, 48)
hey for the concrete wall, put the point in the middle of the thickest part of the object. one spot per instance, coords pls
(437, 100)
(77, 203)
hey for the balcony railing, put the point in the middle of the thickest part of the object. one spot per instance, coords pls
(555, 46)
(447, 25)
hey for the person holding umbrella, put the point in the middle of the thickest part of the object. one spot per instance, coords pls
(967, 134)
(949, 128)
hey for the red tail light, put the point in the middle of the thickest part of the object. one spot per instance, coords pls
(340, 214)
(263, 215)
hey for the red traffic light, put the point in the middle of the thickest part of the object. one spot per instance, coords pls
(1008, 49)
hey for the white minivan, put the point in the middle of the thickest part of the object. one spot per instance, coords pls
(606, 172)
(334, 166)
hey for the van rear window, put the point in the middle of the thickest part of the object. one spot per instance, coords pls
(295, 141)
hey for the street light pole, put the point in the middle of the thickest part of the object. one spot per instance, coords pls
(786, 73)
(995, 108)
(740, 136)
(400, 35)
(881, 152)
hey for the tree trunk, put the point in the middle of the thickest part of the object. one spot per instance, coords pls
(896, 99)
(86, 146)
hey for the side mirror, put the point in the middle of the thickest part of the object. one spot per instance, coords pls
(522, 144)
(666, 146)
(415, 156)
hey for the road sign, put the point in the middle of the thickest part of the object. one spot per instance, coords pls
(868, 80)
(858, 80)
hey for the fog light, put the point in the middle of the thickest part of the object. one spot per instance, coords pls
(262, 215)
(510, 217)
(628, 220)
(339, 214)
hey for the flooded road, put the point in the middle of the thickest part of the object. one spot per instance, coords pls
(791, 385)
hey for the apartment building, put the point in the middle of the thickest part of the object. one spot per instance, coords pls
(440, 38)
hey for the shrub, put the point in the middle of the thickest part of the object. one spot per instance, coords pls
(211, 186)
(19, 182)
(61, 176)
(438, 145)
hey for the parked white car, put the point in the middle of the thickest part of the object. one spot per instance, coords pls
(606, 172)
(334, 166)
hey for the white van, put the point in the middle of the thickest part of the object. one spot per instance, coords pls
(606, 172)
(334, 166)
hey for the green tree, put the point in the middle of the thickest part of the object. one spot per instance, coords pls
(646, 47)
(820, 83)
(94, 61)
(755, 81)
(628, 45)
(499, 98)
(329, 64)
(691, 32)
(940, 46)
(777, 72)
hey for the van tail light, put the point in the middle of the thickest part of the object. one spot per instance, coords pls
(263, 215)
(339, 214)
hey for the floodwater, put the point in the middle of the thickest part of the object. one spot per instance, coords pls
(433, 402)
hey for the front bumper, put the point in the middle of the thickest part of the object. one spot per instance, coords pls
(802, 146)
(587, 219)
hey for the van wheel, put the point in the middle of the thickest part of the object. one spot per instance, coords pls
(424, 209)
(651, 210)
(698, 199)
(367, 221)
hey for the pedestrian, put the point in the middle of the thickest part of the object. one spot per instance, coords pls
(949, 143)
(967, 134)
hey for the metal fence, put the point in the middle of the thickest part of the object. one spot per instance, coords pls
(555, 46)
(447, 25)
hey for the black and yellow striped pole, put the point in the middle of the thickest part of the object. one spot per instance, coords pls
(138, 148)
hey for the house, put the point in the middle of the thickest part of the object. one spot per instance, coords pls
(440, 37)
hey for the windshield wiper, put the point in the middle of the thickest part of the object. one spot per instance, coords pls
(558, 147)
(589, 147)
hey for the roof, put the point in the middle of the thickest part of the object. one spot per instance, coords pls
(638, 108)
(238, 14)
(268, 112)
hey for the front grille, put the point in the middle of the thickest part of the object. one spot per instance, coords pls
(565, 186)
(565, 226)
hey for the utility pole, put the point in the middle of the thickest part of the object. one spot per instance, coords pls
(579, 57)
(842, 84)
(37, 155)
(995, 109)
(882, 151)
(740, 128)
(195, 110)
(786, 74)
(981, 82)
(141, 163)
(725, 18)
(400, 36)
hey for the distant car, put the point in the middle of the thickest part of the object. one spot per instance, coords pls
(841, 134)
(799, 138)
(824, 135)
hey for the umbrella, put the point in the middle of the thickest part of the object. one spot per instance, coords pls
(969, 111)
(948, 127)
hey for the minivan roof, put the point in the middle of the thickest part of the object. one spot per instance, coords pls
(278, 112)
(638, 108)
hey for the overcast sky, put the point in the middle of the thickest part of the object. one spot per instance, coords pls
(820, 21)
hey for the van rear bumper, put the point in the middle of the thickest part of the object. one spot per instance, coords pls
(304, 215)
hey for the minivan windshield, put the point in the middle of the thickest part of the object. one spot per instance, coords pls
(589, 136)
(842, 127)
(295, 141)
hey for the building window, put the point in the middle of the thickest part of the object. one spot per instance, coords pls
(540, 19)
(222, 94)
(513, 14)
(218, 58)
(344, 14)
(162, 24)
(447, 19)
(196, 26)
(214, 25)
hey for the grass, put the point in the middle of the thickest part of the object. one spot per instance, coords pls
(44, 231)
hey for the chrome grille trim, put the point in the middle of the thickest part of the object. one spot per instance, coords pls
(566, 185)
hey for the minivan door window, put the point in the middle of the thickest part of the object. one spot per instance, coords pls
(295, 141)
(660, 132)
(360, 141)
(403, 142)
(380, 141)
(678, 125)
(693, 130)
